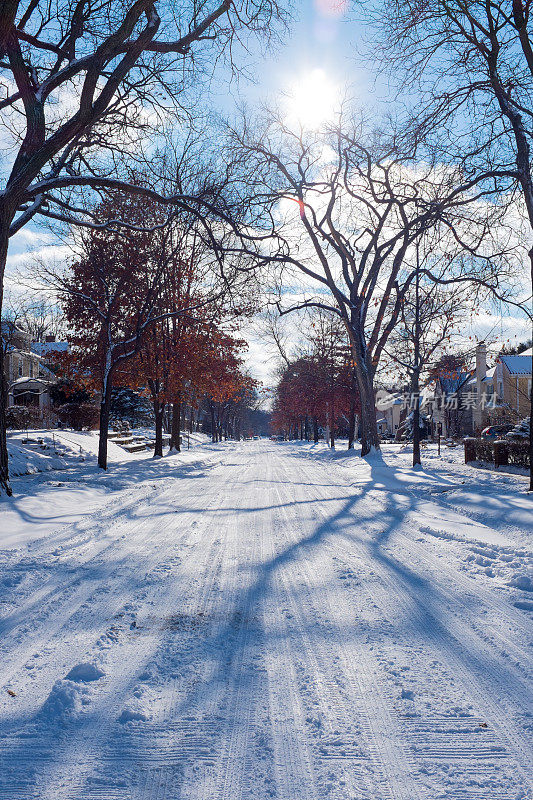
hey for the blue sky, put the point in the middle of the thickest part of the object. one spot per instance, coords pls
(323, 35)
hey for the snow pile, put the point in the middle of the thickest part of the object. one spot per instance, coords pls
(130, 714)
(70, 694)
(523, 580)
(84, 673)
(520, 431)
(66, 698)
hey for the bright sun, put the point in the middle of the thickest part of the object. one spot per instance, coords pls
(312, 100)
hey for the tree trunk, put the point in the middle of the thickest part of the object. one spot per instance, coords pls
(5, 221)
(159, 410)
(4, 391)
(531, 398)
(531, 437)
(175, 430)
(416, 421)
(351, 421)
(370, 436)
(315, 430)
(105, 405)
(364, 375)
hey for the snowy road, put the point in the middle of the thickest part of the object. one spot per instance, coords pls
(268, 624)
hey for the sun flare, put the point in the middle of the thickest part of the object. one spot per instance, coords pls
(312, 100)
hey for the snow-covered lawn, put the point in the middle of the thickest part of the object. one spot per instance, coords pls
(70, 485)
(266, 620)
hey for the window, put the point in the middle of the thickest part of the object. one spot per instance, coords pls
(20, 367)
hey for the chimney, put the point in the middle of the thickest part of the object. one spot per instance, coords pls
(481, 371)
(49, 338)
(481, 361)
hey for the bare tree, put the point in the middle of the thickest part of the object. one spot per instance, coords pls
(472, 63)
(428, 320)
(35, 313)
(344, 207)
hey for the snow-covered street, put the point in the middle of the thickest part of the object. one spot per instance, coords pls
(269, 620)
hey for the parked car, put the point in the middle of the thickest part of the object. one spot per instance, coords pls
(495, 431)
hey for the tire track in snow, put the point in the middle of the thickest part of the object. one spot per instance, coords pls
(83, 600)
(136, 656)
(473, 677)
(380, 742)
(294, 770)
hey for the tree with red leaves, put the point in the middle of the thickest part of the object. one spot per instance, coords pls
(318, 387)
(120, 297)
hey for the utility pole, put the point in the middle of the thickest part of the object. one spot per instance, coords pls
(416, 371)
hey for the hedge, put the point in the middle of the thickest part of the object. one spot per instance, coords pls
(510, 451)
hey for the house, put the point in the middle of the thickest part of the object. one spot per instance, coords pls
(25, 367)
(391, 411)
(450, 408)
(513, 384)
(49, 348)
(465, 402)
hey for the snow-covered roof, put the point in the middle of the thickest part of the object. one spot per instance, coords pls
(28, 379)
(517, 365)
(45, 348)
(489, 377)
(27, 353)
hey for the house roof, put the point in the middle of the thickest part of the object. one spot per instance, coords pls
(517, 365)
(449, 385)
(45, 348)
(27, 380)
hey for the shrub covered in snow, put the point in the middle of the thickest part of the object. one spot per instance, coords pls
(516, 451)
(520, 431)
(405, 431)
(484, 450)
(20, 418)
